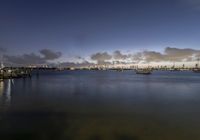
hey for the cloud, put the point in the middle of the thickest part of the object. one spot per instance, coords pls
(80, 58)
(117, 55)
(46, 56)
(25, 59)
(150, 56)
(76, 65)
(3, 50)
(176, 54)
(50, 55)
(43, 57)
(101, 58)
(137, 57)
(170, 54)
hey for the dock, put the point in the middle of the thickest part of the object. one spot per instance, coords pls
(10, 73)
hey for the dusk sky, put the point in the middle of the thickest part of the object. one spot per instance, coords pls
(84, 27)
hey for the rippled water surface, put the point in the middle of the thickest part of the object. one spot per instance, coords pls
(101, 105)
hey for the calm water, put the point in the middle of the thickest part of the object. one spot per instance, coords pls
(101, 105)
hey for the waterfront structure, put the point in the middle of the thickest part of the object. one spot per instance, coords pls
(9, 73)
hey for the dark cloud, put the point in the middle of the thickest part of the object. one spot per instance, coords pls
(80, 58)
(150, 56)
(117, 55)
(176, 54)
(46, 56)
(25, 59)
(170, 54)
(3, 50)
(43, 57)
(50, 55)
(101, 58)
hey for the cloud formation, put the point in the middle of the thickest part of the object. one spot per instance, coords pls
(117, 55)
(150, 56)
(3, 50)
(43, 57)
(25, 59)
(50, 55)
(46, 56)
(176, 54)
(76, 65)
(101, 58)
(169, 55)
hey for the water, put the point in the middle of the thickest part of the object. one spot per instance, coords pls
(101, 105)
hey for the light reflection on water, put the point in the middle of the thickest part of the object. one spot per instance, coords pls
(101, 105)
(5, 93)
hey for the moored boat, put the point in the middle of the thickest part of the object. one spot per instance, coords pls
(120, 70)
(143, 71)
(197, 70)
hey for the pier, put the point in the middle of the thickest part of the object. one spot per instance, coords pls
(10, 73)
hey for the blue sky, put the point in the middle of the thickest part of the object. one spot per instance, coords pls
(84, 27)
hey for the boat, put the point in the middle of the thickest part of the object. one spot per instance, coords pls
(120, 70)
(143, 71)
(196, 70)
(174, 69)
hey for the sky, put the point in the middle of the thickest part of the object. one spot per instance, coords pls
(77, 30)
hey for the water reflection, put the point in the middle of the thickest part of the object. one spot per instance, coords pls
(1, 88)
(5, 93)
(90, 105)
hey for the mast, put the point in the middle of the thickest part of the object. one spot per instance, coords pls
(174, 64)
(197, 64)
(2, 65)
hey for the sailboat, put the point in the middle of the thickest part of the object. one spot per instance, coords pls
(197, 69)
(1, 70)
(143, 71)
(2, 66)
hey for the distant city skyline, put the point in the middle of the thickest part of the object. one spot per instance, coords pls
(169, 57)
(99, 31)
